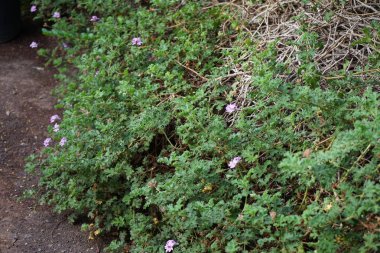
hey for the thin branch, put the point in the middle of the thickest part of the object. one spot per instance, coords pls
(192, 71)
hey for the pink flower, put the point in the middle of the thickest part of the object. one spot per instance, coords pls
(63, 141)
(34, 44)
(54, 118)
(94, 19)
(33, 8)
(47, 142)
(231, 108)
(232, 164)
(170, 245)
(64, 45)
(56, 127)
(137, 41)
(56, 14)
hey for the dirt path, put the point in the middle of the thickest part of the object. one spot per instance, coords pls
(25, 108)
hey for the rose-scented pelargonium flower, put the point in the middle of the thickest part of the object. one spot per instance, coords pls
(54, 118)
(56, 127)
(47, 142)
(232, 164)
(34, 44)
(33, 8)
(231, 108)
(63, 141)
(137, 41)
(56, 14)
(170, 245)
(94, 19)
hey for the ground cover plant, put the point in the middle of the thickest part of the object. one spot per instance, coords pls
(216, 126)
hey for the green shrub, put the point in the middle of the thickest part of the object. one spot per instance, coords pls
(150, 144)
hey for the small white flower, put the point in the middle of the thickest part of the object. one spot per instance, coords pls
(231, 108)
(56, 127)
(63, 141)
(33, 44)
(232, 164)
(56, 14)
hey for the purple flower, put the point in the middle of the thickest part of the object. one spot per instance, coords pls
(137, 41)
(56, 127)
(54, 118)
(231, 108)
(47, 142)
(33, 8)
(63, 141)
(56, 14)
(34, 44)
(94, 19)
(65, 45)
(232, 164)
(170, 245)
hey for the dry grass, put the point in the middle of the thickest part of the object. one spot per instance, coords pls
(339, 27)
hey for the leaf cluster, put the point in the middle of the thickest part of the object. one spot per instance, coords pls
(149, 140)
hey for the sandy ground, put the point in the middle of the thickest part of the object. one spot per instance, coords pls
(26, 105)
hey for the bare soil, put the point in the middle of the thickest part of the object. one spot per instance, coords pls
(26, 105)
